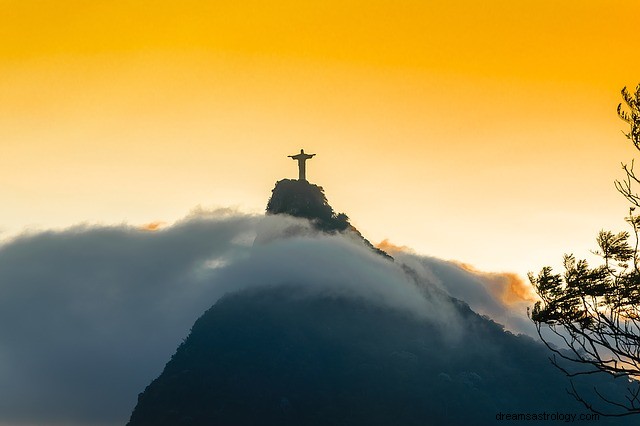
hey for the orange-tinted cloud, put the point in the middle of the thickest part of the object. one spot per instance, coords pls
(388, 246)
(153, 226)
(506, 286)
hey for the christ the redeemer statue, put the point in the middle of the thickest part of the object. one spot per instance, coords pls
(302, 158)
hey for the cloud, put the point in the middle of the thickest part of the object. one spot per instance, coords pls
(389, 247)
(90, 315)
(153, 226)
(502, 296)
(506, 286)
(338, 266)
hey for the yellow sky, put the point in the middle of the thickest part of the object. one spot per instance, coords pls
(483, 131)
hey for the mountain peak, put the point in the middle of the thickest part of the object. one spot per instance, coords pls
(299, 198)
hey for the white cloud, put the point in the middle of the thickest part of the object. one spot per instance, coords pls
(90, 315)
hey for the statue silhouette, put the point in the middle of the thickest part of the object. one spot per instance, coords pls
(302, 158)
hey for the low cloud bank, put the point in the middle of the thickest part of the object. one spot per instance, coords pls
(502, 296)
(90, 315)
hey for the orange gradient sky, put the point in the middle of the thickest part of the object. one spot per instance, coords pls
(482, 131)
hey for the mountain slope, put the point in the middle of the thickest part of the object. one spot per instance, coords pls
(276, 356)
(297, 353)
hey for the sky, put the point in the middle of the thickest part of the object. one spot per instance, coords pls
(479, 131)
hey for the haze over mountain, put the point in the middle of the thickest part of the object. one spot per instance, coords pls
(90, 315)
(353, 343)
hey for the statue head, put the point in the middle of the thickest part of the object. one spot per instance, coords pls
(302, 151)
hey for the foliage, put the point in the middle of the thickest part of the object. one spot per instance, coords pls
(595, 312)
(632, 118)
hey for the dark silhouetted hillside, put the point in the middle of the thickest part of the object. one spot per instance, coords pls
(276, 357)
